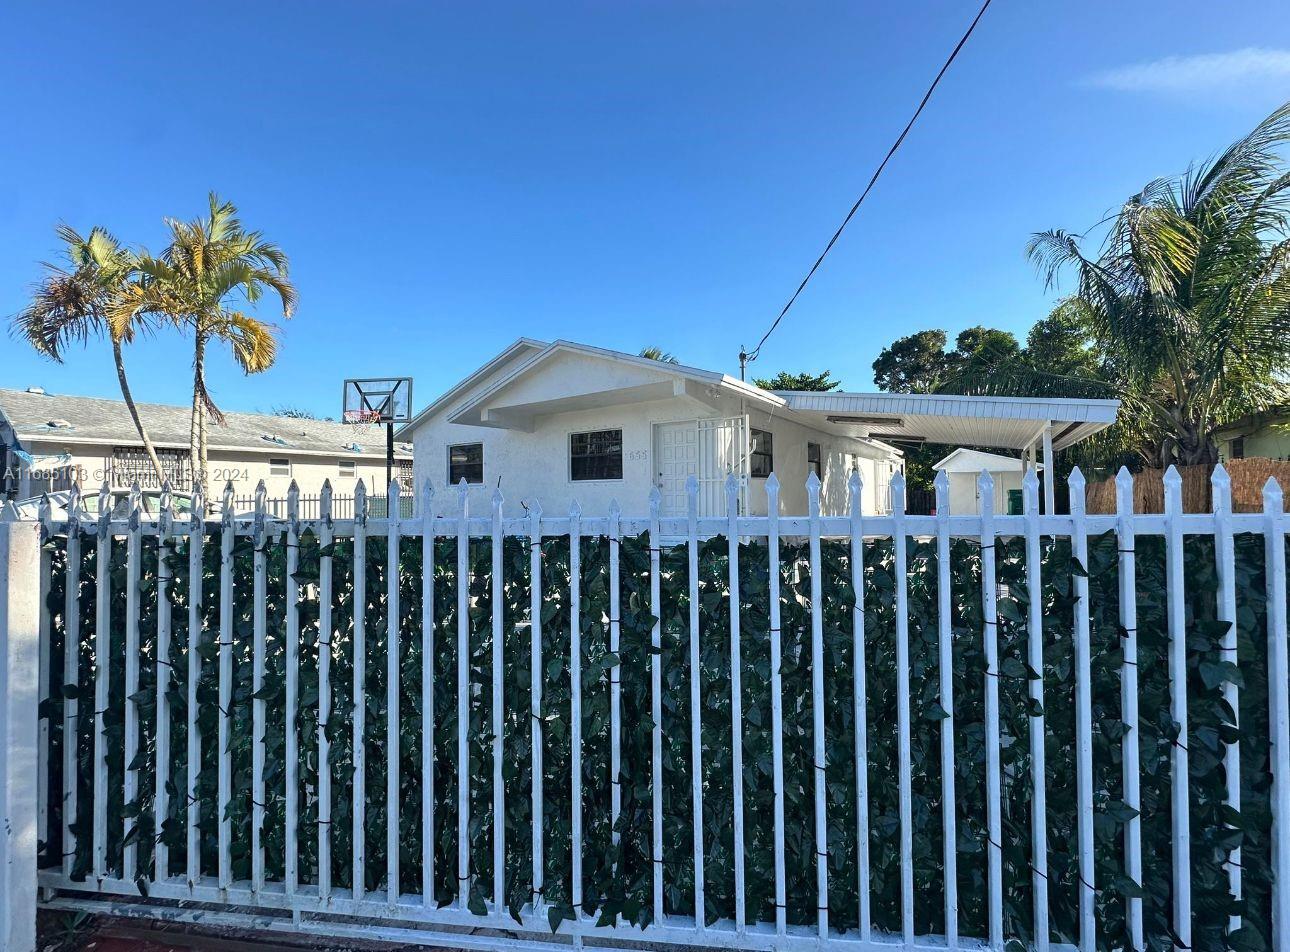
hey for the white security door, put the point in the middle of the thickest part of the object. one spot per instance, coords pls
(723, 448)
(676, 454)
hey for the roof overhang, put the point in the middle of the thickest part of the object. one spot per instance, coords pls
(1006, 422)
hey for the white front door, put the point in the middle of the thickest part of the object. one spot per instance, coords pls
(676, 453)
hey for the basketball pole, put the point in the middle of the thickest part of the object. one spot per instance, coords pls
(389, 456)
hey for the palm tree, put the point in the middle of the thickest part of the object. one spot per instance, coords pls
(659, 354)
(1188, 297)
(73, 304)
(210, 262)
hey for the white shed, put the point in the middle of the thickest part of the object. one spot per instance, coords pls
(964, 466)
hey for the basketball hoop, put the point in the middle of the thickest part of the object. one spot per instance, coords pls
(385, 400)
(377, 400)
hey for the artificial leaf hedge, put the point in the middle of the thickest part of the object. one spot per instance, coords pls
(618, 879)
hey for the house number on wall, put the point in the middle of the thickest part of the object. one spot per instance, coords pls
(638, 455)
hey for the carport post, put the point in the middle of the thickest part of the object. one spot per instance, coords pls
(19, 677)
(1050, 471)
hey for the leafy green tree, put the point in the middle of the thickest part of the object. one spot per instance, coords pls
(1188, 295)
(72, 302)
(919, 363)
(804, 381)
(914, 364)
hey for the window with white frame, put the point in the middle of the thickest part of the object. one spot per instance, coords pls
(279, 466)
(597, 454)
(465, 461)
(347, 469)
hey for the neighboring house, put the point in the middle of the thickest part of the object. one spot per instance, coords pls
(549, 423)
(1262, 435)
(93, 440)
(964, 467)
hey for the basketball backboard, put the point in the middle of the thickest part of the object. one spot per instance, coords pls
(377, 400)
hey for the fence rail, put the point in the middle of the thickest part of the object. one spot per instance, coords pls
(734, 732)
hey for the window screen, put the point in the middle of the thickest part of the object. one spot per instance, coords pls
(279, 466)
(596, 455)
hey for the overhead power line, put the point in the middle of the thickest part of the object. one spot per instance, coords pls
(747, 357)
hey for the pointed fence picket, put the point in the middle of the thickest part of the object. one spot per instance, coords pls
(279, 878)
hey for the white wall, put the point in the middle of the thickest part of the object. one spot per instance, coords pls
(535, 465)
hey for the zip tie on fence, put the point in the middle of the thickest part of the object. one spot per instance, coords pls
(1182, 747)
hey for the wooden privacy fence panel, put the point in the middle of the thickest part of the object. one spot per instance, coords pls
(486, 729)
(1248, 478)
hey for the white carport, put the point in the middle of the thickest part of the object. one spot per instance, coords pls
(1024, 424)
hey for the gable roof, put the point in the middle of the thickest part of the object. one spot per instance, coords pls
(96, 421)
(964, 460)
(463, 386)
(475, 390)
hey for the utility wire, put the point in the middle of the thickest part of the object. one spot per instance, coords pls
(746, 358)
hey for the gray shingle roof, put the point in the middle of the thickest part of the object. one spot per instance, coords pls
(95, 420)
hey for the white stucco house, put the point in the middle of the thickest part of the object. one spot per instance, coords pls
(554, 422)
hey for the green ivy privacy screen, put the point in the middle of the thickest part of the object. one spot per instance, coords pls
(742, 732)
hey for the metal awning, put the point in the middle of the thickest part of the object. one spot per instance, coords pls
(1015, 423)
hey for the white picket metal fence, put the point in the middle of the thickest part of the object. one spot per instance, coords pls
(200, 894)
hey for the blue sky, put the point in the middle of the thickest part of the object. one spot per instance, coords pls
(447, 177)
